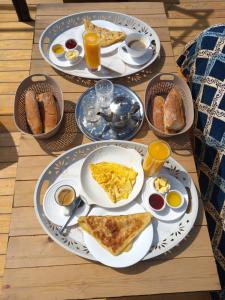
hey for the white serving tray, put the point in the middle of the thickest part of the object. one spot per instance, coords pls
(166, 234)
(72, 27)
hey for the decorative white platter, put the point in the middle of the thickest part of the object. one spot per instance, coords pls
(166, 234)
(72, 27)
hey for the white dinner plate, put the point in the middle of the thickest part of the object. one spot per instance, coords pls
(93, 192)
(140, 246)
(54, 212)
(168, 213)
(134, 61)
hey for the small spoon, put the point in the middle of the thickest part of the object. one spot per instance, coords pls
(78, 202)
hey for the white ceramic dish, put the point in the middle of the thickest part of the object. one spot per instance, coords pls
(140, 246)
(134, 61)
(54, 212)
(92, 192)
(168, 213)
(181, 198)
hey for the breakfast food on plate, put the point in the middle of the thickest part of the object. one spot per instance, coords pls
(117, 180)
(161, 184)
(107, 36)
(41, 111)
(32, 113)
(49, 110)
(158, 112)
(174, 111)
(115, 233)
(167, 115)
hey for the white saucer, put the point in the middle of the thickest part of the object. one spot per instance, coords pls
(167, 214)
(54, 212)
(139, 249)
(128, 59)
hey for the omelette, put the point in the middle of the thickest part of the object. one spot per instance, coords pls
(115, 233)
(116, 180)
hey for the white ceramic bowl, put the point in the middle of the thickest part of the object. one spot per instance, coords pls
(140, 37)
(164, 202)
(181, 198)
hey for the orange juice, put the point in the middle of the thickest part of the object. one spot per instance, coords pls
(91, 42)
(158, 152)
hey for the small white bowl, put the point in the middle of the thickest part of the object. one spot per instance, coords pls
(54, 47)
(137, 37)
(168, 187)
(181, 197)
(161, 196)
(72, 55)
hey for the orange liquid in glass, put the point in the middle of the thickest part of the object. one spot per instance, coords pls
(158, 152)
(91, 42)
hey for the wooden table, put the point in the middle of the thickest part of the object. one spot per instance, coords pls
(36, 267)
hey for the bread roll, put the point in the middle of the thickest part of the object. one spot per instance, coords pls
(158, 113)
(174, 119)
(32, 113)
(48, 111)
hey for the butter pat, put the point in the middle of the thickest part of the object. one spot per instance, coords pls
(161, 184)
(72, 55)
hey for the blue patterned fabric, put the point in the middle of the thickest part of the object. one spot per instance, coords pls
(203, 64)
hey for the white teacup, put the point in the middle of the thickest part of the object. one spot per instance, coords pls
(137, 44)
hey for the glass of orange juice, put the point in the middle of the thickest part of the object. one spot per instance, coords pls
(158, 152)
(91, 41)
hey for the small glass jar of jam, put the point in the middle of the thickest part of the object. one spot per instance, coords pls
(71, 44)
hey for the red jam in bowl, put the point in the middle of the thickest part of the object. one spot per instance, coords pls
(70, 44)
(156, 201)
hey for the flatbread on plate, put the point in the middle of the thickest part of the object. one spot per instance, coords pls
(107, 36)
(115, 233)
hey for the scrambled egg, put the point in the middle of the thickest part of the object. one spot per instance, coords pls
(117, 180)
(161, 184)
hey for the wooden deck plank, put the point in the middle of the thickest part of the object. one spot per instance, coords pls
(9, 139)
(15, 54)
(4, 223)
(7, 124)
(15, 44)
(8, 154)
(8, 77)
(19, 65)
(6, 204)
(7, 169)
(3, 244)
(41, 282)
(7, 186)
(38, 250)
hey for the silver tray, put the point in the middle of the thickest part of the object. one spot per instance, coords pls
(101, 130)
(127, 23)
(168, 234)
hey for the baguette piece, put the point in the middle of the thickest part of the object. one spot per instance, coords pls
(48, 110)
(32, 113)
(174, 119)
(158, 113)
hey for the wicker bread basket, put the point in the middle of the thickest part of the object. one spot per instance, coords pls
(39, 83)
(160, 85)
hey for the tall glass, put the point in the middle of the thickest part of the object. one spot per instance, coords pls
(158, 152)
(91, 41)
(104, 92)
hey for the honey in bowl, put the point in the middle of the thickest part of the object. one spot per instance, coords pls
(174, 199)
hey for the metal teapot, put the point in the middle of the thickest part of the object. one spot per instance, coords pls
(121, 111)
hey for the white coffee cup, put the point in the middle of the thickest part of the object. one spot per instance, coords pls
(132, 37)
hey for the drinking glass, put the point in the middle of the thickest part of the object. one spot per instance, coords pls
(104, 92)
(90, 109)
(158, 152)
(91, 41)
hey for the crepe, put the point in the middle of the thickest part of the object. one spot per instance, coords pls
(115, 233)
(117, 180)
(107, 36)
